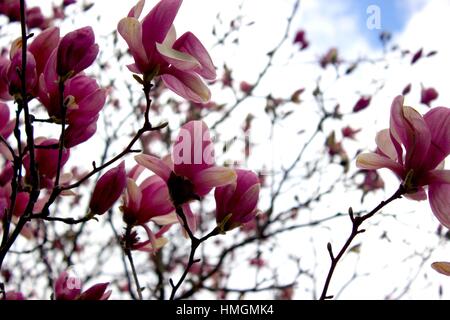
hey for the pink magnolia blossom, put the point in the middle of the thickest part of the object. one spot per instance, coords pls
(406, 89)
(426, 142)
(362, 103)
(331, 57)
(14, 295)
(42, 47)
(192, 172)
(11, 9)
(236, 203)
(108, 189)
(181, 62)
(6, 125)
(76, 51)
(46, 160)
(428, 95)
(15, 82)
(147, 201)
(417, 56)
(301, 40)
(84, 97)
(69, 2)
(35, 18)
(349, 132)
(69, 288)
(4, 83)
(246, 87)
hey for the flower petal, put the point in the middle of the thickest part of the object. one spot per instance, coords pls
(136, 11)
(442, 267)
(154, 164)
(438, 120)
(438, 176)
(440, 202)
(193, 150)
(417, 196)
(190, 44)
(178, 59)
(212, 177)
(131, 31)
(158, 22)
(166, 219)
(187, 85)
(419, 139)
(248, 201)
(373, 161)
(385, 144)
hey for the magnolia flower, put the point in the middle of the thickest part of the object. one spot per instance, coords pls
(108, 189)
(69, 288)
(46, 161)
(150, 201)
(35, 18)
(236, 203)
(427, 95)
(301, 39)
(84, 99)
(147, 201)
(331, 57)
(6, 125)
(181, 62)
(11, 9)
(362, 103)
(349, 132)
(76, 51)
(14, 78)
(42, 47)
(426, 142)
(14, 295)
(191, 173)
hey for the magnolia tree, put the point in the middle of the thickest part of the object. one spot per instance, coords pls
(142, 164)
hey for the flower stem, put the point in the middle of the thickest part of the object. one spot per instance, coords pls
(356, 223)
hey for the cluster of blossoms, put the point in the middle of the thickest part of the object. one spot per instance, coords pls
(188, 174)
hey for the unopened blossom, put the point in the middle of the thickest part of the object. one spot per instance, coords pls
(236, 203)
(428, 95)
(414, 148)
(69, 2)
(349, 132)
(301, 40)
(4, 83)
(84, 99)
(181, 63)
(69, 288)
(246, 87)
(35, 18)
(76, 51)
(108, 189)
(14, 73)
(362, 103)
(417, 56)
(331, 57)
(11, 9)
(406, 89)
